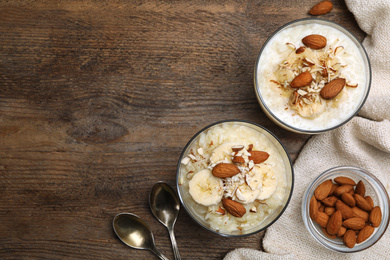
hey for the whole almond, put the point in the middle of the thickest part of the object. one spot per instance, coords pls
(341, 232)
(344, 181)
(362, 203)
(225, 170)
(334, 223)
(321, 8)
(321, 208)
(370, 201)
(348, 199)
(329, 211)
(375, 216)
(332, 89)
(322, 219)
(302, 80)
(342, 189)
(360, 213)
(349, 238)
(234, 207)
(364, 233)
(360, 189)
(354, 223)
(314, 41)
(238, 159)
(345, 210)
(322, 191)
(258, 156)
(329, 201)
(313, 207)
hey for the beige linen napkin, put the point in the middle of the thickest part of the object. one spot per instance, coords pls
(363, 142)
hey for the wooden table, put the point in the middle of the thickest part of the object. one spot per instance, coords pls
(98, 99)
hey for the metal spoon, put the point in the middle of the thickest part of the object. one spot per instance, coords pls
(135, 233)
(165, 206)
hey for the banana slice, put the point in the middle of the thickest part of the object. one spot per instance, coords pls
(245, 194)
(269, 182)
(250, 190)
(205, 188)
(311, 110)
(222, 153)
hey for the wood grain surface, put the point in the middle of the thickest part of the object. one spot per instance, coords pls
(98, 99)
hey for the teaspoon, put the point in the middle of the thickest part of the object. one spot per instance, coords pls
(135, 233)
(165, 206)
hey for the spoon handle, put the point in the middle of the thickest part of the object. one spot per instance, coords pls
(174, 244)
(158, 253)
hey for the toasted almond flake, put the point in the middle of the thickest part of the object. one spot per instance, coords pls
(185, 161)
(200, 151)
(192, 156)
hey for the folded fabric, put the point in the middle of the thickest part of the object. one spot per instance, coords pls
(362, 142)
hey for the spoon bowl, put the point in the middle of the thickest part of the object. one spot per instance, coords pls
(165, 206)
(135, 233)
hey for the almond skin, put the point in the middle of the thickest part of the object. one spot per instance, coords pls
(370, 201)
(234, 207)
(329, 211)
(364, 233)
(344, 181)
(375, 216)
(345, 210)
(321, 8)
(300, 50)
(342, 189)
(314, 41)
(225, 170)
(258, 156)
(334, 223)
(327, 234)
(332, 89)
(322, 219)
(349, 238)
(322, 191)
(313, 207)
(342, 231)
(302, 80)
(330, 201)
(354, 223)
(362, 203)
(348, 199)
(360, 189)
(238, 159)
(360, 213)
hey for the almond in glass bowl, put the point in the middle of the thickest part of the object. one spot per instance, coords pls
(348, 227)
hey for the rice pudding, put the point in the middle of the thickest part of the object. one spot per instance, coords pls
(232, 178)
(311, 76)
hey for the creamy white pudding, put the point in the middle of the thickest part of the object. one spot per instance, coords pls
(259, 185)
(285, 56)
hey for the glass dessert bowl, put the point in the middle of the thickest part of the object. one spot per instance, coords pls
(311, 76)
(234, 178)
(367, 225)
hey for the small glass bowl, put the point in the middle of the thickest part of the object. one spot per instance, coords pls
(185, 198)
(374, 188)
(280, 117)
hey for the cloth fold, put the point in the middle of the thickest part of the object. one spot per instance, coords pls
(364, 142)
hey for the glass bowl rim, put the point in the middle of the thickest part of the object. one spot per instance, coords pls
(349, 34)
(190, 142)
